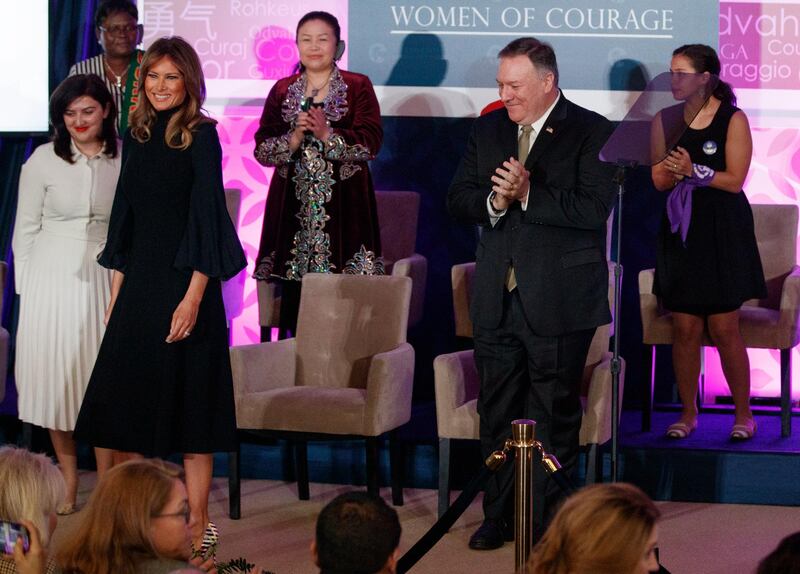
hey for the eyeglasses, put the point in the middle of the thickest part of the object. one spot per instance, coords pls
(185, 514)
(118, 30)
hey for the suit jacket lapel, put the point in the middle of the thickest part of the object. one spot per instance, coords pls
(509, 135)
(549, 131)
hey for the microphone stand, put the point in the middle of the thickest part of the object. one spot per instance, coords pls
(616, 364)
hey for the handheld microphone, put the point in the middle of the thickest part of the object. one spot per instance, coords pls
(305, 105)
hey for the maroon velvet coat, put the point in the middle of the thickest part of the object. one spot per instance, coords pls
(320, 214)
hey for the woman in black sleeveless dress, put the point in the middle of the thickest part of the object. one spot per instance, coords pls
(705, 273)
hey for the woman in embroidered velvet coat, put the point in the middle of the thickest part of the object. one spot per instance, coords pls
(320, 214)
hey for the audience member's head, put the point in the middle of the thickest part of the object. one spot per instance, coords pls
(785, 559)
(31, 488)
(116, 27)
(137, 513)
(357, 533)
(603, 529)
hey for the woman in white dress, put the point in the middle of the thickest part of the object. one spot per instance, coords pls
(66, 189)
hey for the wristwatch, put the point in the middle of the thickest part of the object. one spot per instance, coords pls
(495, 211)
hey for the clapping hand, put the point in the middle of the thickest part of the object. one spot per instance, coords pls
(511, 183)
(313, 121)
(319, 124)
(679, 163)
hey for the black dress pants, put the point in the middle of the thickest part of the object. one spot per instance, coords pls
(524, 375)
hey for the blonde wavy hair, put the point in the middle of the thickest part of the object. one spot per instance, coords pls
(603, 529)
(114, 532)
(190, 112)
(31, 488)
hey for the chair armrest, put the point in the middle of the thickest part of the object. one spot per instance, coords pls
(263, 366)
(461, 278)
(416, 267)
(390, 382)
(4, 346)
(456, 383)
(596, 422)
(647, 278)
(648, 302)
(790, 310)
(456, 379)
(3, 279)
(599, 345)
(612, 266)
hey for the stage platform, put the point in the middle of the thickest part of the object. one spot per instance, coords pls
(706, 467)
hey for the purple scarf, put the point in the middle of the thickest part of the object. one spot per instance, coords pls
(679, 202)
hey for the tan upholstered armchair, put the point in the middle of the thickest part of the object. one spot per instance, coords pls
(4, 337)
(398, 212)
(771, 323)
(348, 373)
(457, 385)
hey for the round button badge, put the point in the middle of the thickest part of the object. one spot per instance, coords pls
(710, 147)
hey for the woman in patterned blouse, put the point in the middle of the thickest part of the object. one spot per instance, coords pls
(319, 129)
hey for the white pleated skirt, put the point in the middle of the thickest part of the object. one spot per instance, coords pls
(63, 296)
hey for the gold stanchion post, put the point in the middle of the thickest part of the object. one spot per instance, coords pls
(523, 432)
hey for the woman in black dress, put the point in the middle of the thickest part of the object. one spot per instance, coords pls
(162, 380)
(707, 259)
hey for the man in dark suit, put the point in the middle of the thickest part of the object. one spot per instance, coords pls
(541, 279)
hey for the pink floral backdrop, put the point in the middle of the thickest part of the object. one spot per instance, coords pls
(760, 53)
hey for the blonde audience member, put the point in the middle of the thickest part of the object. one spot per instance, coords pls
(31, 489)
(603, 529)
